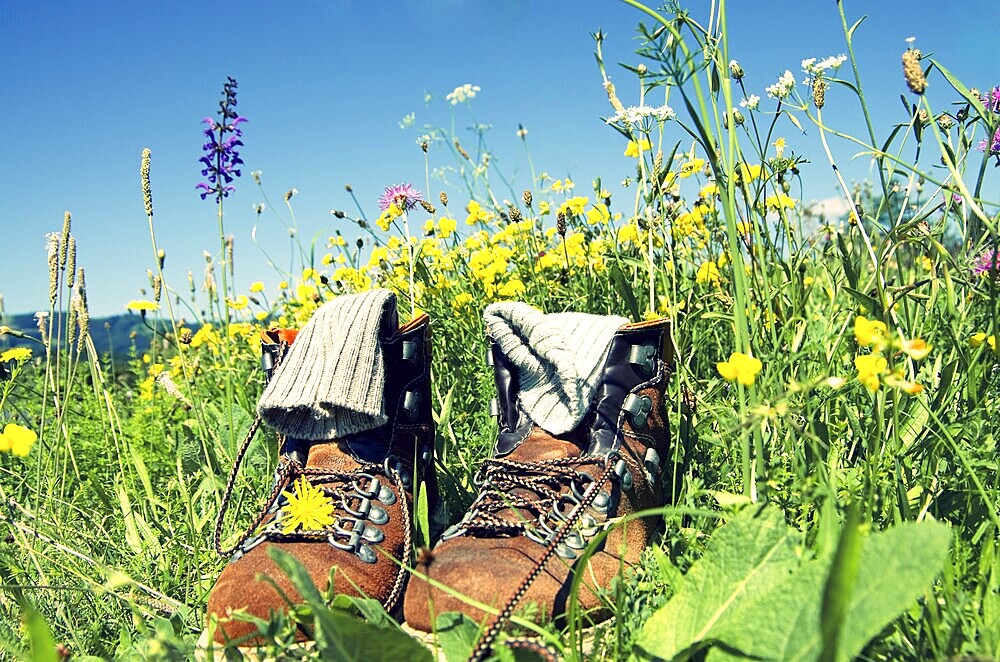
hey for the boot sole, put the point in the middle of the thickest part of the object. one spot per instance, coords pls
(212, 651)
(430, 640)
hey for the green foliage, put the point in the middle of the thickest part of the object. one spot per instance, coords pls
(754, 595)
(851, 481)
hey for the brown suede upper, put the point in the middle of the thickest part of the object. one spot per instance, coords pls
(253, 582)
(488, 568)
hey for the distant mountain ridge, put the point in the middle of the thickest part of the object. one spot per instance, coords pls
(111, 335)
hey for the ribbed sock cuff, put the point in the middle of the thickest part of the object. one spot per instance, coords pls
(558, 356)
(332, 379)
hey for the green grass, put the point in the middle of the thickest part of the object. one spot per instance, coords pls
(836, 478)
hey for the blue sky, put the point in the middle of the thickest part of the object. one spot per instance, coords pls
(325, 85)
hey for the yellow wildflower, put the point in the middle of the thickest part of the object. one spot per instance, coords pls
(544, 208)
(574, 205)
(388, 216)
(779, 147)
(477, 214)
(141, 306)
(598, 214)
(708, 272)
(308, 508)
(17, 439)
(691, 167)
(740, 367)
(511, 289)
(779, 201)
(749, 173)
(16, 354)
(461, 300)
(309, 274)
(628, 233)
(869, 367)
(634, 148)
(896, 381)
(978, 339)
(447, 225)
(257, 286)
(709, 191)
(869, 332)
(327, 259)
(240, 303)
(915, 349)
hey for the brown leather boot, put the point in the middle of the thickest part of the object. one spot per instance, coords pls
(368, 479)
(544, 497)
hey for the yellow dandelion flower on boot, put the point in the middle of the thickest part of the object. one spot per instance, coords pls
(308, 508)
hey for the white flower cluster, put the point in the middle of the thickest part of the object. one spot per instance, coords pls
(635, 114)
(750, 102)
(812, 67)
(462, 93)
(784, 86)
(815, 70)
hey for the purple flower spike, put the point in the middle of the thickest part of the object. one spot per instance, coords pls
(404, 194)
(221, 158)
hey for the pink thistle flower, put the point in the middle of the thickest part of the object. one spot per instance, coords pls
(403, 196)
(990, 146)
(988, 261)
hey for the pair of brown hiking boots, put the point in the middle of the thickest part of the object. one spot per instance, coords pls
(542, 498)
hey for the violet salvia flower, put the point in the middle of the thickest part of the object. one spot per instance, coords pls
(988, 261)
(221, 158)
(403, 196)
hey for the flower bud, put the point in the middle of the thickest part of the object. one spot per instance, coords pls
(819, 92)
(735, 70)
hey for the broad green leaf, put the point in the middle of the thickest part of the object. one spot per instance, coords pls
(457, 635)
(344, 638)
(840, 585)
(749, 555)
(43, 645)
(897, 566)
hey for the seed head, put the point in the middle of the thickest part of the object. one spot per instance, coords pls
(609, 87)
(339, 214)
(42, 324)
(161, 257)
(738, 118)
(458, 146)
(424, 145)
(147, 194)
(561, 224)
(912, 71)
(229, 254)
(641, 69)
(526, 196)
(64, 241)
(515, 214)
(735, 70)
(819, 92)
(428, 207)
(83, 311)
(443, 197)
(71, 262)
(945, 121)
(185, 337)
(348, 188)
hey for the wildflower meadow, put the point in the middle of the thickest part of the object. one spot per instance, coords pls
(834, 404)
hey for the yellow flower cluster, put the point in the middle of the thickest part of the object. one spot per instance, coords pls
(17, 439)
(873, 369)
(740, 367)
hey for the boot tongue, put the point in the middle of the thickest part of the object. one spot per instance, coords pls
(540, 445)
(333, 456)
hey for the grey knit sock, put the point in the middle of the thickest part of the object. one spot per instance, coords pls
(331, 381)
(558, 357)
